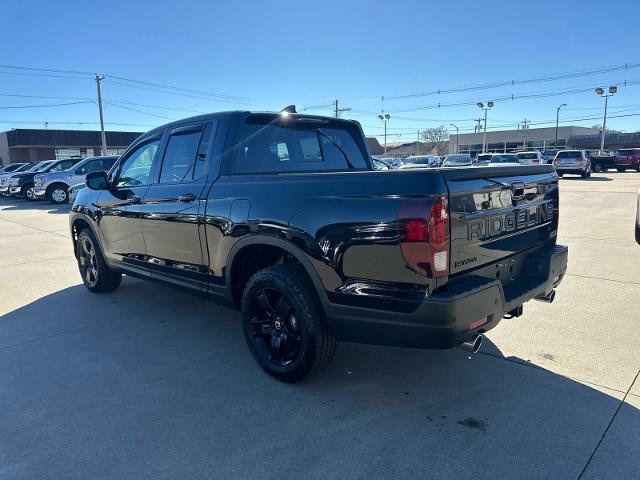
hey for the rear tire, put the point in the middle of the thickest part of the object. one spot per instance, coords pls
(620, 170)
(283, 324)
(559, 174)
(96, 274)
(597, 168)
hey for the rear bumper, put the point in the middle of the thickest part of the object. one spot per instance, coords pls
(443, 320)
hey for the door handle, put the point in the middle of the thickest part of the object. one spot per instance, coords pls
(133, 199)
(187, 197)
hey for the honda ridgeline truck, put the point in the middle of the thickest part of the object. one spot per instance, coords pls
(282, 216)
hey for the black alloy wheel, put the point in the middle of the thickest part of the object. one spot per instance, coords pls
(275, 328)
(96, 274)
(88, 262)
(283, 324)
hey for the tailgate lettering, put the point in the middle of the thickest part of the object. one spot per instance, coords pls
(518, 219)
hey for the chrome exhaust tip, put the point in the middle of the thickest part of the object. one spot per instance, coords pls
(547, 298)
(472, 345)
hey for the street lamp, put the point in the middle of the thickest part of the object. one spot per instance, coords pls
(557, 119)
(385, 117)
(457, 136)
(600, 91)
(484, 134)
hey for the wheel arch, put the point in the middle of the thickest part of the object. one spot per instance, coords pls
(54, 184)
(271, 250)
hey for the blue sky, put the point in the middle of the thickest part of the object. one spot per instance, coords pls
(271, 54)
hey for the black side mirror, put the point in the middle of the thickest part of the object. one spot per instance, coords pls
(97, 180)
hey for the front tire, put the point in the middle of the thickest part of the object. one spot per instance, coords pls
(96, 274)
(283, 324)
(620, 170)
(59, 194)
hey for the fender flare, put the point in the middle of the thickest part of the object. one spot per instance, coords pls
(288, 247)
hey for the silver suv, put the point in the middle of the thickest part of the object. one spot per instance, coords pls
(55, 186)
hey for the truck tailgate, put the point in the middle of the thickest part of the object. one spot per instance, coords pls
(499, 211)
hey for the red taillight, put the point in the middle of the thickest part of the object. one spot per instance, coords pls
(579, 159)
(536, 161)
(424, 236)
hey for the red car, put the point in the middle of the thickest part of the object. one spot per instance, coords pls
(627, 158)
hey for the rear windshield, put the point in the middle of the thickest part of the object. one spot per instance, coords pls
(504, 159)
(629, 151)
(570, 154)
(528, 156)
(269, 144)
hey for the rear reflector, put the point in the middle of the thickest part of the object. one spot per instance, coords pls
(477, 323)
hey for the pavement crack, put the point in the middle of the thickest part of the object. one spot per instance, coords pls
(609, 425)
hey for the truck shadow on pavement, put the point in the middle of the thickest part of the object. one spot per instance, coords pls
(147, 382)
(42, 205)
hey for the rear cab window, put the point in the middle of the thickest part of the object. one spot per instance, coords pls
(269, 143)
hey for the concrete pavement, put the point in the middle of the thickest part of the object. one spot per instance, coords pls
(147, 382)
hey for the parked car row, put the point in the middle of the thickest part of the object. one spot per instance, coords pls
(53, 180)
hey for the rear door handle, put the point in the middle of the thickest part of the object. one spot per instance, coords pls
(187, 197)
(133, 199)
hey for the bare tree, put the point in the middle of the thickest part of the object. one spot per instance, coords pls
(437, 139)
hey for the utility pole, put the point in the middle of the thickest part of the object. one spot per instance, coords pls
(478, 126)
(525, 128)
(418, 144)
(99, 78)
(558, 121)
(338, 111)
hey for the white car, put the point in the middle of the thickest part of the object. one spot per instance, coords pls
(531, 158)
(504, 160)
(572, 161)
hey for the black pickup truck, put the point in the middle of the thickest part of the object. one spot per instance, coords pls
(282, 216)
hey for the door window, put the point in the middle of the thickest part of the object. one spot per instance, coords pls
(136, 167)
(180, 156)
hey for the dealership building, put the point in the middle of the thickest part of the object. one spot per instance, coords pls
(517, 140)
(34, 145)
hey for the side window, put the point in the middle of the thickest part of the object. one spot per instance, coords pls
(135, 169)
(200, 169)
(92, 166)
(180, 156)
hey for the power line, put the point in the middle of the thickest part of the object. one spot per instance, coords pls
(44, 106)
(140, 111)
(548, 78)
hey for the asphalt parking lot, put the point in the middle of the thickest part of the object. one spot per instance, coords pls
(147, 382)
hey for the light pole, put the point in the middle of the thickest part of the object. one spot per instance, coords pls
(600, 91)
(484, 133)
(457, 136)
(384, 117)
(555, 144)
